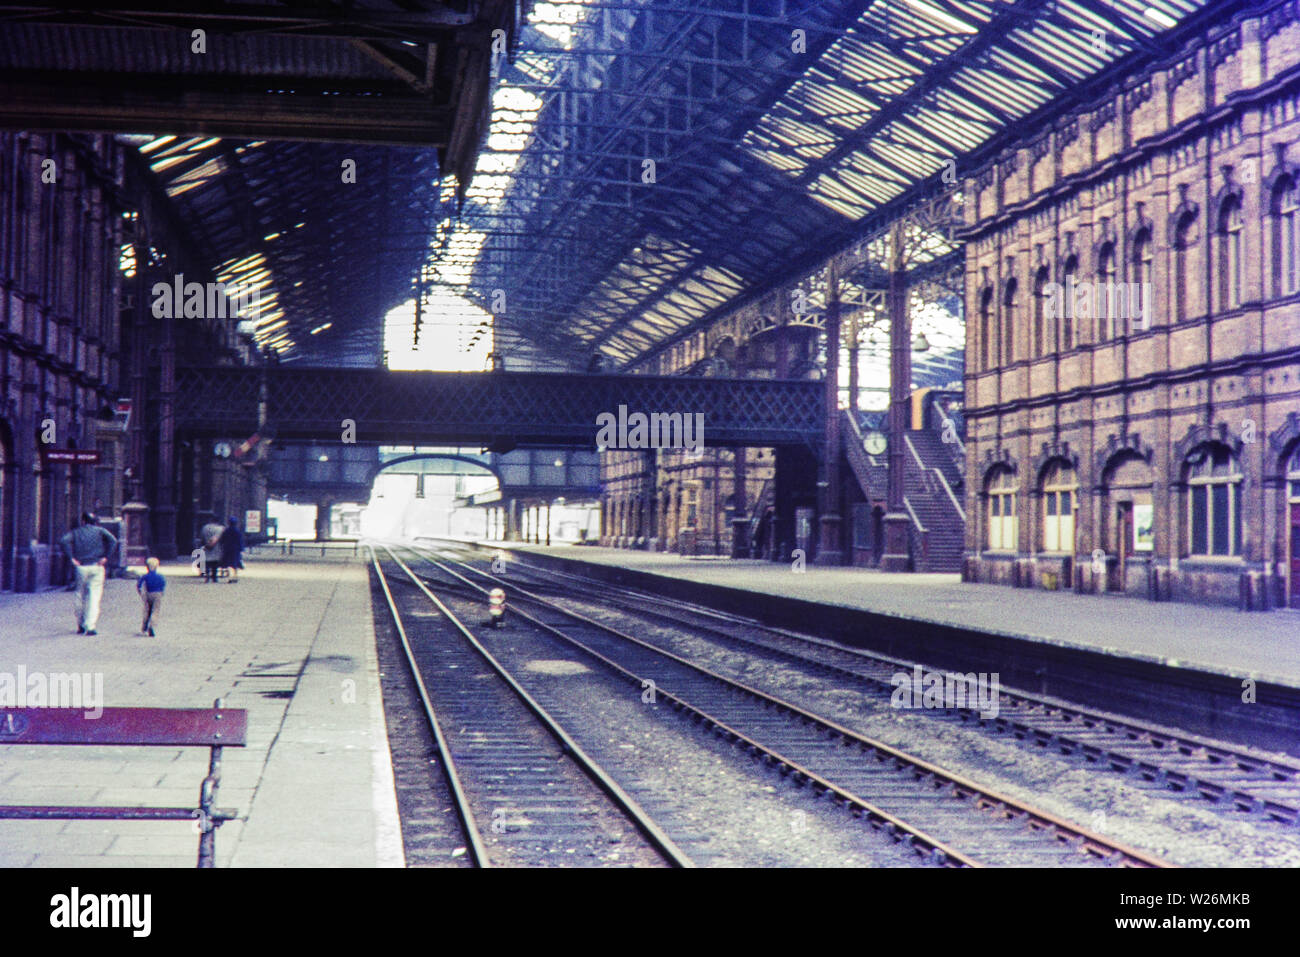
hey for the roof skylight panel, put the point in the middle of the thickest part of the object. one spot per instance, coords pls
(1001, 90)
(866, 185)
(958, 134)
(830, 192)
(1015, 72)
(1060, 48)
(917, 137)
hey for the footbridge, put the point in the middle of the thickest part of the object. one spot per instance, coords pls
(499, 410)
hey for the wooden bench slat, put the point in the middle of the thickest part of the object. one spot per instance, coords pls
(33, 812)
(176, 727)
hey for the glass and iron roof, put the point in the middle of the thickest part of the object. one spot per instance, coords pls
(650, 163)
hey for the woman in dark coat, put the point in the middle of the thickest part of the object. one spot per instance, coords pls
(232, 549)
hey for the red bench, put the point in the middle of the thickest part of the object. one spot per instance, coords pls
(215, 728)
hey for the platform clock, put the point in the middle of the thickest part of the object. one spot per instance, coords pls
(875, 442)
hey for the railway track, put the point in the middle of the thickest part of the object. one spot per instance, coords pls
(507, 761)
(1242, 780)
(948, 816)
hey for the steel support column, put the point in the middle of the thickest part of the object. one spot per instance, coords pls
(897, 557)
(829, 548)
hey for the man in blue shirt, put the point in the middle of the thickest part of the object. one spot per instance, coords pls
(89, 547)
(151, 586)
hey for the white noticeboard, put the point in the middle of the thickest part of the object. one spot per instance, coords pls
(1144, 518)
(253, 520)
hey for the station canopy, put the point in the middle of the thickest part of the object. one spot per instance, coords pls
(249, 112)
(652, 165)
(649, 165)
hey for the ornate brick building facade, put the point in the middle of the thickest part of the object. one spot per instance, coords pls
(1133, 334)
(670, 500)
(85, 230)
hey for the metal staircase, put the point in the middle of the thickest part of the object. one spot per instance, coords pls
(933, 485)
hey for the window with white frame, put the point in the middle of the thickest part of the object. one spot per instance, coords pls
(1002, 529)
(1213, 501)
(1060, 488)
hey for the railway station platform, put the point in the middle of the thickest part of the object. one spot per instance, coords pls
(293, 643)
(1264, 646)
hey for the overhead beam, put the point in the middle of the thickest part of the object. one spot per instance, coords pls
(32, 103)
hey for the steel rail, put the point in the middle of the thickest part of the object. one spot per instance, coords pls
(468, 824)
(1177, 743)
(625, 802)
(1090, 841)
(897, 828)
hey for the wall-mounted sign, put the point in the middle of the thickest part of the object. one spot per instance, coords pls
(1144, 520)
(71, 456)
(253, 521)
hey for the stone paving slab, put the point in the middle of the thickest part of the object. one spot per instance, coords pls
(293, 643)
(1260, 645)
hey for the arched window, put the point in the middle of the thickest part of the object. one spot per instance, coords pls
(986, 328)
(1144, 274)
(1286, 237)
(1060, 486)
(1042, 330)
(1182, 268)
(1105, 289)
(1002, 531)
(1213, 501)
(1069, 275)
(1009, 322)
(1230, 263)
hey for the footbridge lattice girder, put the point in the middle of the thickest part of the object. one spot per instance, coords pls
(527, 408)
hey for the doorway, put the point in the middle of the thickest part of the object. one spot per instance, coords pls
(1123, 545)
(1295, 554)
(6, 512)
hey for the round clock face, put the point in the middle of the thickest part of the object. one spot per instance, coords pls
(875, 442)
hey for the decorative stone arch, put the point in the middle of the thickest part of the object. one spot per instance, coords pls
(1186, 210)
(1106, 236)
(1282, 442)
(1201, 435)
(760, 323)
(1231, 191)
(1279, 175)
(1117, 446)
(996, 460)
(1142, 224)
(1051, 452)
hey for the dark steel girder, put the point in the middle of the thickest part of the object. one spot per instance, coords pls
(114, 104)
(301, 19)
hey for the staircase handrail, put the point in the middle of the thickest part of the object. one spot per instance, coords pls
(943, 482)
(911, 511)
(948, 421)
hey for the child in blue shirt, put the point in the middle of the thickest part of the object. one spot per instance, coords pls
(151, 586)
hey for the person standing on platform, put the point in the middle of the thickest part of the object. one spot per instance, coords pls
(232, 549)
(151, 586)
(211, 534)
(89, 547)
